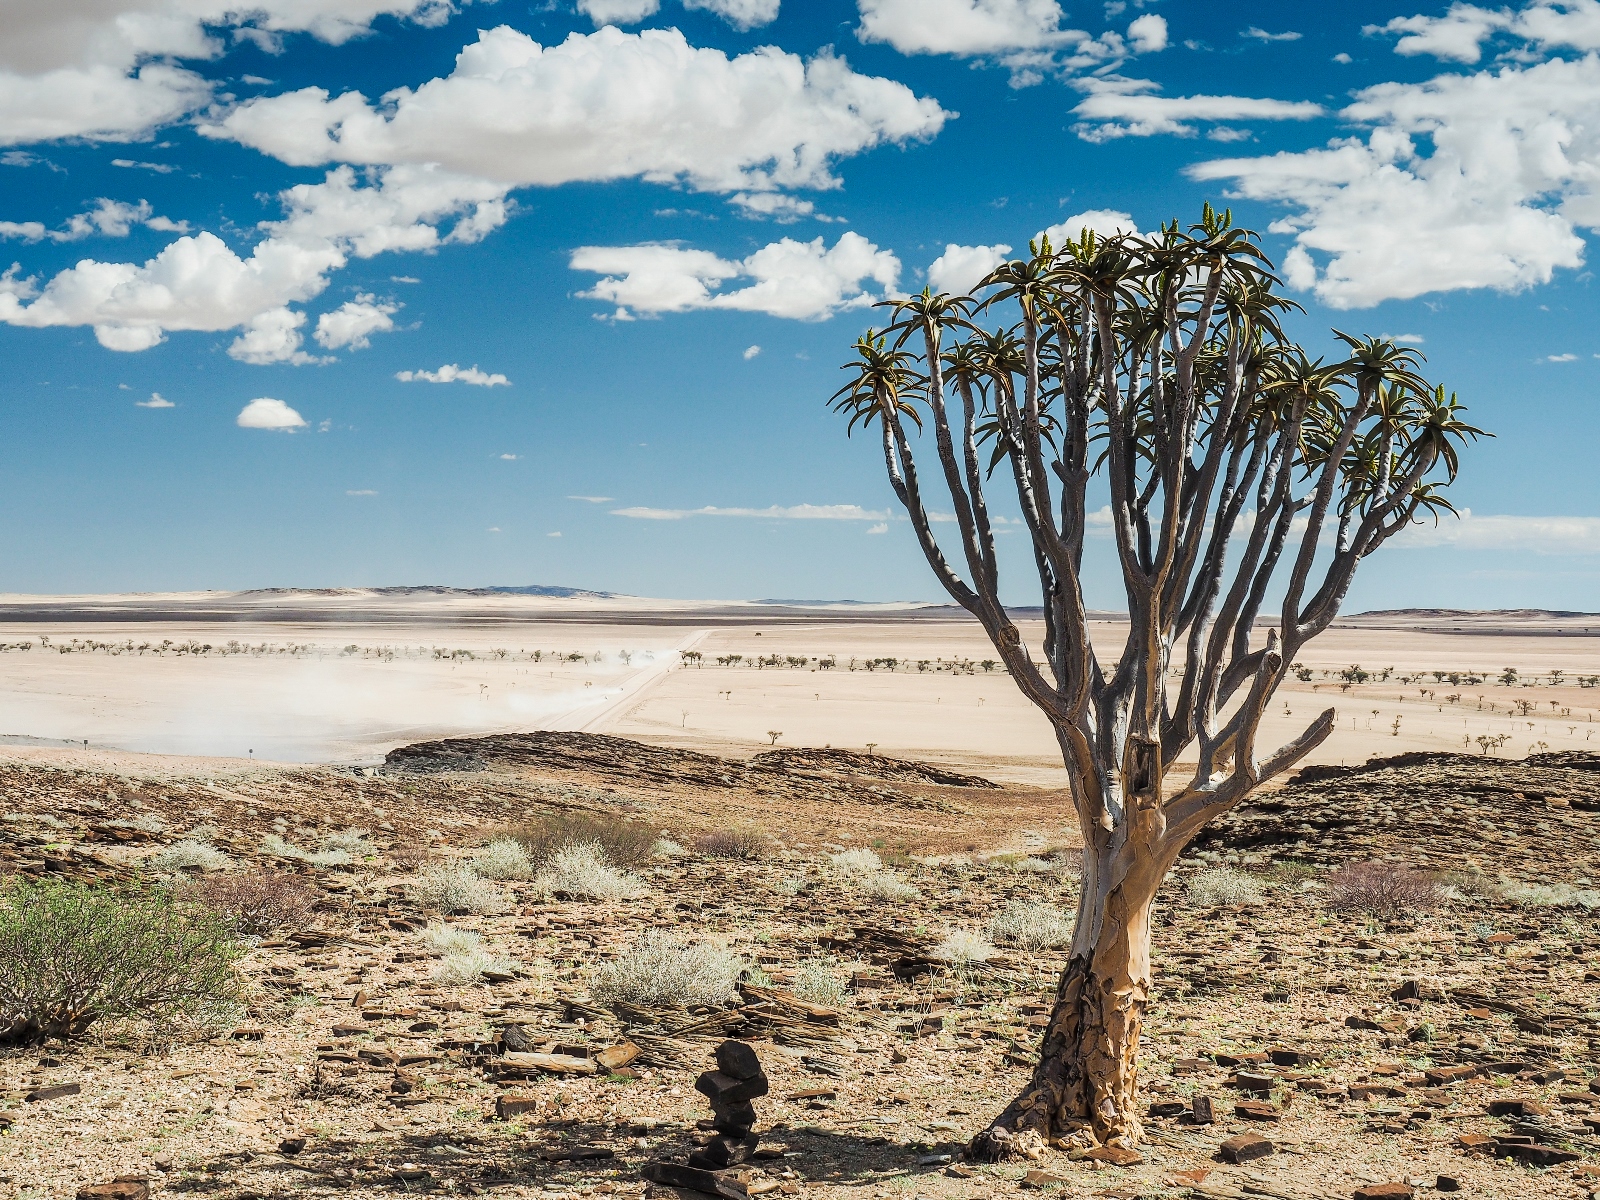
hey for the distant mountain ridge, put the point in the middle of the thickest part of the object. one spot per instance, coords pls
(434, 589)
(1521, 613)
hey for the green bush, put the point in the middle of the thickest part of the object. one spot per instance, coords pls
(71, 955)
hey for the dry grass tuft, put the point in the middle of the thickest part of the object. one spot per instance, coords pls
(189, 854)
(1224, 886)
(1032, 925)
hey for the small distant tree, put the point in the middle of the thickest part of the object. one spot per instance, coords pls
(1150, 374)
(774, 734)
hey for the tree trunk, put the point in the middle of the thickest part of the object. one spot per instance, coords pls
(1084, 1092)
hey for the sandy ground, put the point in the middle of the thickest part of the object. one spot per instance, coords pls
(344, 677)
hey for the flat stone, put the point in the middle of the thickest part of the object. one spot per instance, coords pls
(1042, 1179)
(726, 1150)
(1385, 1191)
(554, 1064)
(507, 1107)
(123, 1187)
(1533, 1155)
(60, 1091)
(695, 1179)
(1245, 1147)
(1248, 1081)
(614, 1058)
(1255, 1110)
(722, 1088)
(1168, 1108)
(1204, 1110)
(1117, 1156)
(1517, 1106)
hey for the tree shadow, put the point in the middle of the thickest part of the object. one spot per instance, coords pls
(543, 1153)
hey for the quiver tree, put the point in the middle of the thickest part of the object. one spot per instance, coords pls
(1150, 373)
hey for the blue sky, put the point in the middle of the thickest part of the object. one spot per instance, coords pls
(397, 291)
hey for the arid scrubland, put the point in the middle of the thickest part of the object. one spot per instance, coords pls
(498, 965)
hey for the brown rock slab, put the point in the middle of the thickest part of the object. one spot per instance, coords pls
(1117, 1156)
(1042, 1179)
(614, 1058)
(1255, 1110)
(1245, 1147)
(1384, 1191)
(59, 1092)
(123, 1187)
(1533, 1155)
(554, 1064)
(1168, 1108)
(721, 1088)
(1204, 1110)
(695, 1179)
(506, 1107)
(1517, 1106)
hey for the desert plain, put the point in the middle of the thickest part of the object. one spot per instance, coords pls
(891, 799)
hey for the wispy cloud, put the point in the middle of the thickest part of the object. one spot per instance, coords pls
(157, 400)
(1561, 358)
(510, 457)
(360, 492)
(453, 373)
(778, 512)
(1256, 33)
(1541, 535)
(593, 499)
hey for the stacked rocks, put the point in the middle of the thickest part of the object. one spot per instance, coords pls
(737, 1081)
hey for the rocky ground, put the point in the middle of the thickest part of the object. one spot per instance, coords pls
(1456, 1045)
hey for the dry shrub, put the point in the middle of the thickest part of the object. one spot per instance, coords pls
(663, 970)
(581, 870)
(626, 843)
(744, 844)
(454, 889)
(821, 981)
(964, 947)
(189, 854)
(503, 858)
(1382, 890)
(256, 902)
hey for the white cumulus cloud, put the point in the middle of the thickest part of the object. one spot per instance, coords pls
(602, 106)
(354, 322)
(108, 69)
(1106, 222)
(157, 400)
(1458, 36)
(1466, 181)
(1025, 35)
(741, 14)
(798, 280)
(959, 269)
(267, 413)
(451, 373)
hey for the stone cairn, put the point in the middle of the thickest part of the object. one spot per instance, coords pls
(730, 1088)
